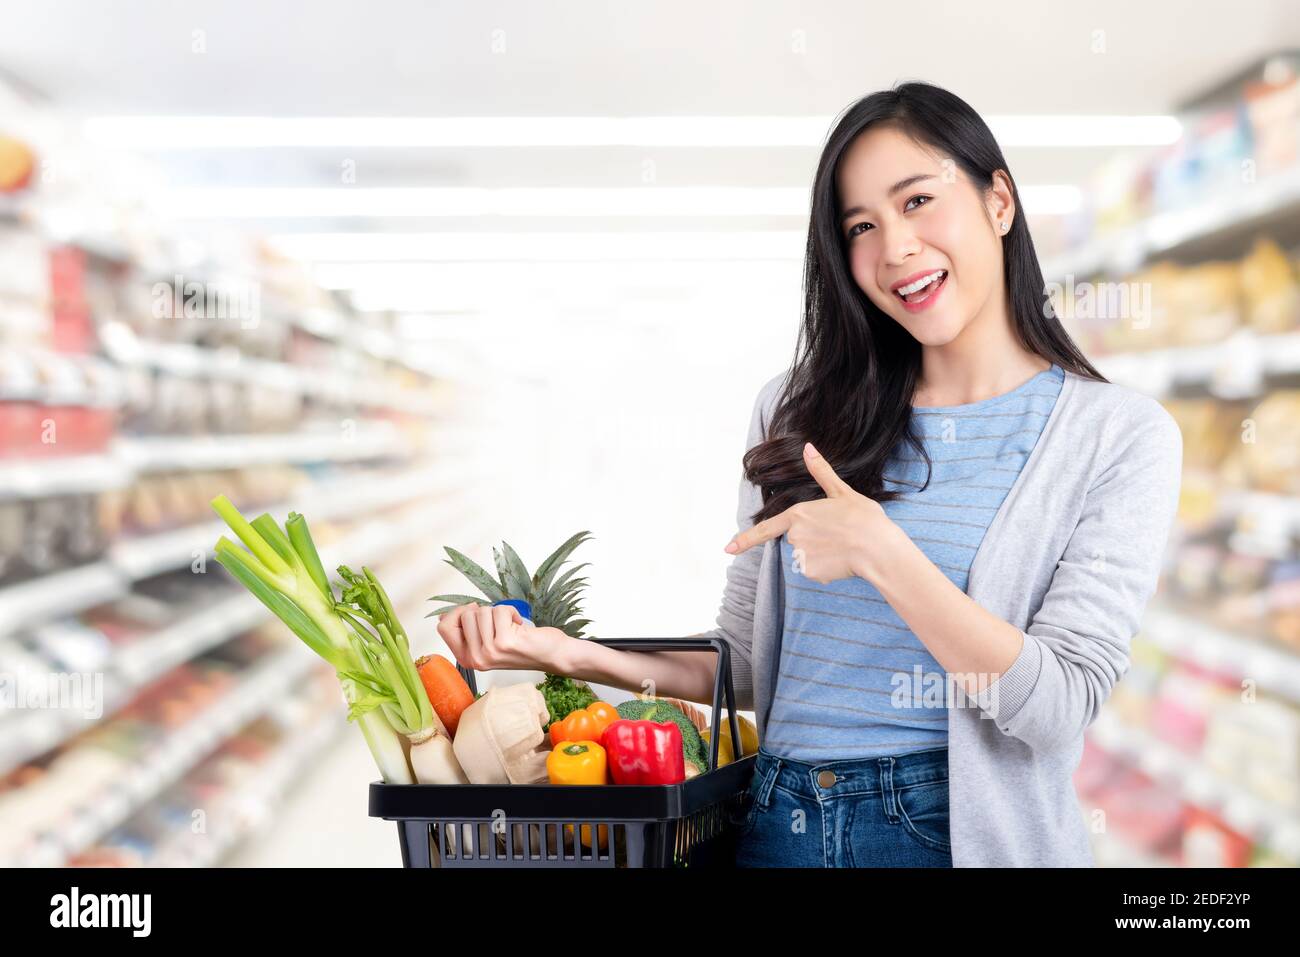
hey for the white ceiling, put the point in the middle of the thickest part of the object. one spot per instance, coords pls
(579, 57)
(585, 58)
(417, 57)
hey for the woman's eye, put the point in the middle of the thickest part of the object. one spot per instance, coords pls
(854, 230)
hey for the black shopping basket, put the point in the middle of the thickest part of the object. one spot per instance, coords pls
(691, 824)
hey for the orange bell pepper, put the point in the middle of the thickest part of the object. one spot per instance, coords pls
(585, 724)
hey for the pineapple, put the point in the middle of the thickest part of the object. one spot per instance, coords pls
(555, 602)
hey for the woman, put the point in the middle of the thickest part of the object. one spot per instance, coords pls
(949, 526)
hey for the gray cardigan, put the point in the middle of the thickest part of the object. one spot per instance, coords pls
(1071, 558)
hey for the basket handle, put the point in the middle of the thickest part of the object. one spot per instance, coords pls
(722, 683)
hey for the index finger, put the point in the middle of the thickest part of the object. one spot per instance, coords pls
(453, 618)
(758, 534)
(450, 629)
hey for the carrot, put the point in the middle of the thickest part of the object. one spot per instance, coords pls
(447, 690)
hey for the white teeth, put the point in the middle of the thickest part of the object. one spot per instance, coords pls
(919, 284)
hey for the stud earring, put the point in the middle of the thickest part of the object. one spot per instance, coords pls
(1004, 227)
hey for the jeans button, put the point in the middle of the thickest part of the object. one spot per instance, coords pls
(826, 779)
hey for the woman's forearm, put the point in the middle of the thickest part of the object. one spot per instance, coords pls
(670, 674)
(971, 643)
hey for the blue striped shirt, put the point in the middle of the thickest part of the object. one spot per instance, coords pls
(854, 681)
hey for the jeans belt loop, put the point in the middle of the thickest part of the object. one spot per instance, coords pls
(887, 788)
(769, 781)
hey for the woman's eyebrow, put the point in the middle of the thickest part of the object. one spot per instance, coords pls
(898, 187)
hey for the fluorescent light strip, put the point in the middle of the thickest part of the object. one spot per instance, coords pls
(493, 287)
(464, 280)
(230, 132)
(1064, 130)
(264, 132)
(344, 201)
(539, 246)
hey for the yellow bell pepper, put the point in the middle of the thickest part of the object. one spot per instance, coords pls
(579, 762)
(748, 739)
(576, 762)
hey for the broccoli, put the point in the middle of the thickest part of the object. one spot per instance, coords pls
(654, 710)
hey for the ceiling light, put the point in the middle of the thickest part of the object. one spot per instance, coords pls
(411, 132)
(346, 201)
(539, 246)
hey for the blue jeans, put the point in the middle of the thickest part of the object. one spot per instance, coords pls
(872, 812)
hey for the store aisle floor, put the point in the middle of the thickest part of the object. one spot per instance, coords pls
(323, 822)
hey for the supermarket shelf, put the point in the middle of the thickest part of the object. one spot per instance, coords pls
(331, 325)
(319, 321)
(58, 595)
(1279, 514)
(1264, 822)
(61, 475)
(147, 555)
(66, 593)
(36, 732)
(1253, 206)
(71, 475)
(174, 453)
(31, 733)
(247, 812)
(188, 638)
(1273, 670)
(1234, 368)
(186, 359)
(151, 554)
(166, 764)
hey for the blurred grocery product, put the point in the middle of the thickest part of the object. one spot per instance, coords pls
(1271, 459)
(1273, 108)
(1270, 287)
(17, 163)
(1209, 842)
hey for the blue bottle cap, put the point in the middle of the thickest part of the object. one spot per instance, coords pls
(525, 609)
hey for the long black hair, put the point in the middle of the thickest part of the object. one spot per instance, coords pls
(850, 387)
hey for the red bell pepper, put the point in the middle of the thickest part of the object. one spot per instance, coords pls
(644, 752)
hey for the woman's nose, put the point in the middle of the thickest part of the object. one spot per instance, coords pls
(899, 243)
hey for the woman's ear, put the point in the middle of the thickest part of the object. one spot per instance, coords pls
(1000, 202)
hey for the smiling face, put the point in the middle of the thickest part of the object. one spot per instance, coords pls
(913, 214)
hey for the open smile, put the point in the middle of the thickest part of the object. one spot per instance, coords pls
(923, 292)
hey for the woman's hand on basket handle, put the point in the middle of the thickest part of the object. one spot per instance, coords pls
(494, 637)
(485, 638)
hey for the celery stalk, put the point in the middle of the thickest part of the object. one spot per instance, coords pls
(250, 536)
(300, 538)
(269, 530)
(286, 585)
(386, 748)
(358, 635)
(299, 623)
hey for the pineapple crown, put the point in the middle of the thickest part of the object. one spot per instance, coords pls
(556, 601)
